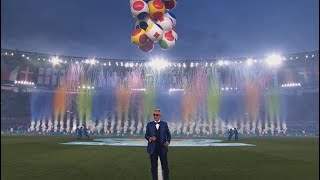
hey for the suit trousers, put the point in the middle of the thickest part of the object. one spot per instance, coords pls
(154, 163)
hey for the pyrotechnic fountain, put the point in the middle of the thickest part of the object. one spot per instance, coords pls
(198, 99)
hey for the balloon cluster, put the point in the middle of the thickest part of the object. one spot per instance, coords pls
(154, 24)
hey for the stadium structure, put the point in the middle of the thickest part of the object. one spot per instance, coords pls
(46, 93)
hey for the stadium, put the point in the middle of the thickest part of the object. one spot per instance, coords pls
(246, 117)
(116, 97)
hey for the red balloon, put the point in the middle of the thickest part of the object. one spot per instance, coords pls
(170, 4)
(148, 47)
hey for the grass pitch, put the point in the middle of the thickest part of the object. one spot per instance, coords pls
(43, 157)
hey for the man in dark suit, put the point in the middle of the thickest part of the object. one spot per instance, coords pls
(230, 134)
(158, 137)
(79, 132)
(236, 137)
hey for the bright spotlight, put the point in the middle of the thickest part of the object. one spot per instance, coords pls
(249, 62)
(92, 61)
(158, 64)
(55, 60)
(274, 60)
(220, 62)
(184, 65)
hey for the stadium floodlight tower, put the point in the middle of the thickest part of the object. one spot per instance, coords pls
(158, 63)
(274, 60)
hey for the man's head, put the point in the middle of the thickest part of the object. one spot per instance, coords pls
(156, 114)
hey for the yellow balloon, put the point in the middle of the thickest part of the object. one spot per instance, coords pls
(139, 37)
(156, 9)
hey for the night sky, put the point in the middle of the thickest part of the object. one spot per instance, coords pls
(206, 28)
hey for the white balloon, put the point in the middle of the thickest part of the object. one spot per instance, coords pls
(154, 32)
(165, 23)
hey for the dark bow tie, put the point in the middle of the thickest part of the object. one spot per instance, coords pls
(157, 122)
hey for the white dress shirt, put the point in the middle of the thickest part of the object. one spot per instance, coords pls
(157, 125)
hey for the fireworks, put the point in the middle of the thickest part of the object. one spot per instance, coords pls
(202, 99)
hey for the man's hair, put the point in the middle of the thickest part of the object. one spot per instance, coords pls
(157, 110)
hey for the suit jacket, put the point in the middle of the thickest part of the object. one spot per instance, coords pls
(164, 136)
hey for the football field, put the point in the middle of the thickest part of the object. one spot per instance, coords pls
(45, 157)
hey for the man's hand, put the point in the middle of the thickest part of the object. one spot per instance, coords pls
(153, 138)
(166, 144)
